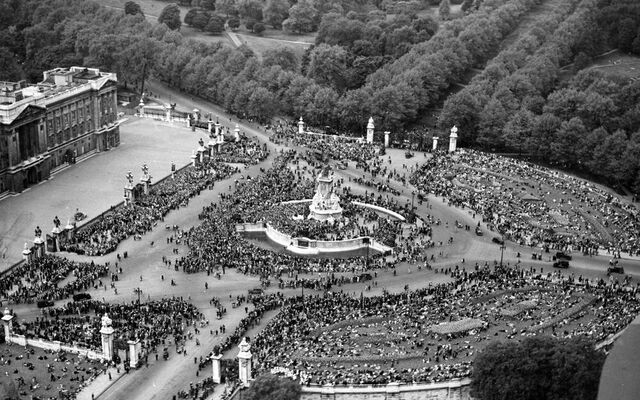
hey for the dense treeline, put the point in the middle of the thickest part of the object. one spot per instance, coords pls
(589, 123)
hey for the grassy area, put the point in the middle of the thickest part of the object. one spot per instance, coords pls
(619, 64)
(66, 373)
(262, 44)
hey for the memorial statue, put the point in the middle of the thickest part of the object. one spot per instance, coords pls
(130, 178)
(56, 221)
(38, 232)
(201, 142)
(244, 346)
(145, 170)
(106, 321)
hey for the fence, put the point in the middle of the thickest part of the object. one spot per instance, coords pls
(56, 346)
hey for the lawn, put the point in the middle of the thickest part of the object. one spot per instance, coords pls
(42, 374)
(618, 63)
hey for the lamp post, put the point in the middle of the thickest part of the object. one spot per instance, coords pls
(502, 247)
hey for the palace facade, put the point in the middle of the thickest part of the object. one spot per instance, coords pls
(45, 126)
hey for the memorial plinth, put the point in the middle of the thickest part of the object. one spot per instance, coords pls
(325, 205)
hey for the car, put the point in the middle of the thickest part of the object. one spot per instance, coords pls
(563, 256)
(479, 231)
(81, 296)
(561, 264)
(615, 269)
(497, 240)
(365, 277)
(44, 303)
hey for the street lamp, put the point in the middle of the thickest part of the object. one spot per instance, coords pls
(502, 247)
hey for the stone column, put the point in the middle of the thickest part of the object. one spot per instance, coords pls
(300, 126)
(26, 253)
(215, 368)
(133, 353)
(453, 138)
(236, 133)
(70, 230)
(393, 391)
(107, 337)
(7, 321)
(56, 238)
(244, 362)
(39, 247)
(193, 158)
(435, 143)
(370, 128)
(168, 112)
(210, 125)
(217, 128)
(141, 108)
(386, 138)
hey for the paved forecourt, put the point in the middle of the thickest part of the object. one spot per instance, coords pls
(95, 184)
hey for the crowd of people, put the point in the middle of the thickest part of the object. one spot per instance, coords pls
(343, 339)
(333, 146)
(151, 322)
(533, 205)
(103, 235)
(39, 279)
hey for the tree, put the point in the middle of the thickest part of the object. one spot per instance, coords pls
(284, 57)
(208, 4)
(215, 25)
(444, 10)
(301, 18)
(132, 8)
(233, 22)
(627, 32)
(275, 12)
(227, 7)
(327, 65)
(537, 368)
(466, 5)
(170, 16)
(258, 28)
(190, 15)
(250, 9)
(271, 387)
(9, 68)
(201, 20)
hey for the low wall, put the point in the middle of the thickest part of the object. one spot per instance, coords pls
(383, 210)
(54, 346)
(451, 390)
(306, 246)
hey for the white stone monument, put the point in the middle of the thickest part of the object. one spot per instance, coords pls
(216, 370)
(386, 138)
(236, 133)
(244, 361)
(128, 189)
(145, 179)
(300, 126)
(38, 244)
(325, 205)
(7, 321)
(194, 157)
(26, 253)
(370, 128)
(453, 139)
(133, 352)
(107, 337)
(435, 143)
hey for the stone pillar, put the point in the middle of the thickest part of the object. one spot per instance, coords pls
(244, 362)
(217, 128)
(141, 108)
(39, 247)
(56, 238)
(133, 353)
(26, 253)
(188, 121)
(70, 230)
(435, 143)
(215, 368)
(300, 126)
(211, 145)
(453, 138)
(210, 125)
(168, 112)
(386, 138)
(194, 158)
(393, 391)
(236, 133)
(370, 128)
(107, 337)
(7, 321)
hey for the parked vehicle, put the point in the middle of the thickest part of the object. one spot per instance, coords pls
(561, 264)
(615, 269)
(479, 231)
(562, 256)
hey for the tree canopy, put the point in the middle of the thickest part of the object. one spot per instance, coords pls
(170, 16)
(272, 387)
(537, 368)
